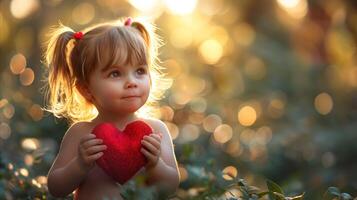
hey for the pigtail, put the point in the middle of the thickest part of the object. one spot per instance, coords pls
(60, 75)
(144, 33)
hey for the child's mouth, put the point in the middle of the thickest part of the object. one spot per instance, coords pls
(130, 97)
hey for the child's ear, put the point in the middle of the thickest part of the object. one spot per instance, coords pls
(85, 92)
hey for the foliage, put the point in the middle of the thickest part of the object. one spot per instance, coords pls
(262, 90)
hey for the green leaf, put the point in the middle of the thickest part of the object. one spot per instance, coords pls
(346, 196)
(261, 194)
(334, 191)
(241, 182)
(300, 197)
(278, 196)
(274, 189)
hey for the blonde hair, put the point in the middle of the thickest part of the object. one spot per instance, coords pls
(70, 62)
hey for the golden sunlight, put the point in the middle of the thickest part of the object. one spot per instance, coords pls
(23, 8)
(182, 7)
(295, 8)
(211, 51)
(146, 6)
(247, 116)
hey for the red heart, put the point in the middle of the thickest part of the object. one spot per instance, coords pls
(122, 159)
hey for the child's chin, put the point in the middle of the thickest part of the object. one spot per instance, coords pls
(130, 109)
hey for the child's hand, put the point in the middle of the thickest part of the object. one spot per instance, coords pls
(90, 149)
(152, 150)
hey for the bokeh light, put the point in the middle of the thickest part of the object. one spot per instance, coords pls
(5, 131)
(27, 77)
(181, 37)
(24, 172)
(182, 7)
(295, 8)
(23, 8)
(247, 116)
(276, 107)
(42, 180)
(173, 68)
(198, 105)
(166, 113)
(83, 13)
(9, 111)
(244, 34)
(211, 51)
(229, 172)
(247, 135)
(28, 159)
(36, 112)
(145, 6)
(30, 144)
(211, 122)
(3, 102)
(189, 133)
(183, 173)
(173, 129)
(18, 64)
(264, 135)
(255, 87)
(323, 103)
(223, 133)
(234, 148)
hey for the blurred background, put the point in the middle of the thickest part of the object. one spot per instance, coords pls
(263, 89)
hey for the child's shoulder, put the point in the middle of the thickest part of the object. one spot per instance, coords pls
(159, 126)
(78, 129)
(156, 124)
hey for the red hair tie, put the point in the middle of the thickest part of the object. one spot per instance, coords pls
(78, 35)
(128, 21)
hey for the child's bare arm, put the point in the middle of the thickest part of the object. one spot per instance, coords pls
(165, 173)
(76, 157)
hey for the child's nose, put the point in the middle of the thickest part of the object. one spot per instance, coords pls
(131, 83)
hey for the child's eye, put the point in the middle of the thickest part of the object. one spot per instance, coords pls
(115, 73)
(141, 71)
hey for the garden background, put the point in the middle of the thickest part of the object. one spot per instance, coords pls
(262, 90)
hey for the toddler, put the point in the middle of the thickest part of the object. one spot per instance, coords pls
(106, 73)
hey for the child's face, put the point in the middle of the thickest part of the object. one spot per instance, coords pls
(120, 89)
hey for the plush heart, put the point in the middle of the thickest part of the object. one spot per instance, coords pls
(122, 159)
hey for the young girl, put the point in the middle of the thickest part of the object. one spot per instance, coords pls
(105, 74)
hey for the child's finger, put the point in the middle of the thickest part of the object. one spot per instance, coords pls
(148, 155)
(153, 141)
(150, 147)
(92, 142)
(87, 137)
(158, 137)
(94, 157)
(96, 149)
